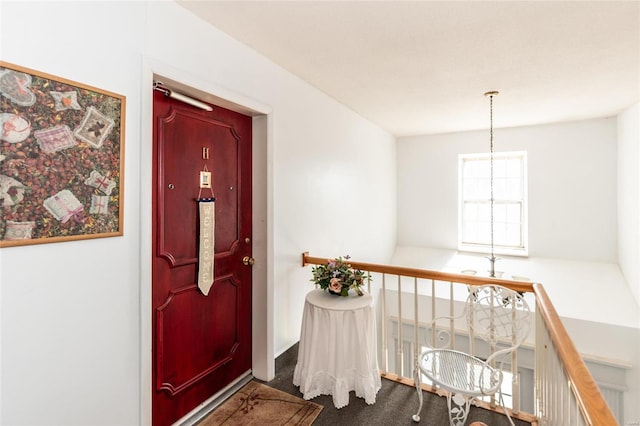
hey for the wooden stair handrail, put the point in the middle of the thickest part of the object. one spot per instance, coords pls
(424, 273)
(589, 398)
(588, 395)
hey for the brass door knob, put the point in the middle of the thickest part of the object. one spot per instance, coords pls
(248, 260)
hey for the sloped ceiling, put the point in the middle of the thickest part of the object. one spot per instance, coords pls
(422, 67)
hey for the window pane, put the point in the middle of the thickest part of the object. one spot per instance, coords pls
(514, 214)
(471, 211)
(484, 188)
(484, 212)
(499, 213)
(469, 232)
(499, 234)
(484, 233)
(513, 189)
(514, 168)
(499, 168)
(513, 235)
(472, 190)
(470, 169)
(500, 189)
(483, 169)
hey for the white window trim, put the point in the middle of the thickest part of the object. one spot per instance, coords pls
(499, 250)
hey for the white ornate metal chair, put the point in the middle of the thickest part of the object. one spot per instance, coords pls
(497, 315)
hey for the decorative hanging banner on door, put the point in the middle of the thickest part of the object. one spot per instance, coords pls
(207, 210)
(207, 241)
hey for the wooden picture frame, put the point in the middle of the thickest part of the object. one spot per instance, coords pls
(61, 159)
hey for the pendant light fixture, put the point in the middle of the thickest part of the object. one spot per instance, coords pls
(492, 258)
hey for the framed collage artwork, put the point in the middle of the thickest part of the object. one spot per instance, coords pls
(61, 159)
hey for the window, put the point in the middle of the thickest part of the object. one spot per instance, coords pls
(509, 205)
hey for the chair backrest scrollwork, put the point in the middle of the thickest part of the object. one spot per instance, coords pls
(499, 316)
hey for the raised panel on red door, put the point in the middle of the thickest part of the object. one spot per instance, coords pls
(201, 343)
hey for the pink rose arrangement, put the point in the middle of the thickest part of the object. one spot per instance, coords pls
(338, 277)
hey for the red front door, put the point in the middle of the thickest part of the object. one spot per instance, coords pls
(200, 343)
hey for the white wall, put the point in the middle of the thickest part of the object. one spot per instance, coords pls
(629, 197)
(74, 341)
(572, 187)
(629, 232)
(70, 311)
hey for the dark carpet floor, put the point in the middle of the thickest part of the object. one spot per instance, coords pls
(395, 403)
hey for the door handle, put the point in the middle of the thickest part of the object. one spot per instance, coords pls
(248, 260)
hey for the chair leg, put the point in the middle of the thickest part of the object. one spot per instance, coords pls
(416, 374)
(506, 413)
(459, 411)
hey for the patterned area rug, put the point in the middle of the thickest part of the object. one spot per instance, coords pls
(258, 404)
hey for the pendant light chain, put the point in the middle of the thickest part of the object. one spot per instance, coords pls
(491, 164)
(492, 259)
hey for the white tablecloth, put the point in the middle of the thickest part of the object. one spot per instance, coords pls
(338, 347)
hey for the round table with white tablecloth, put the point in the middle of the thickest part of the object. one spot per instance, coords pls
(338, 348)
